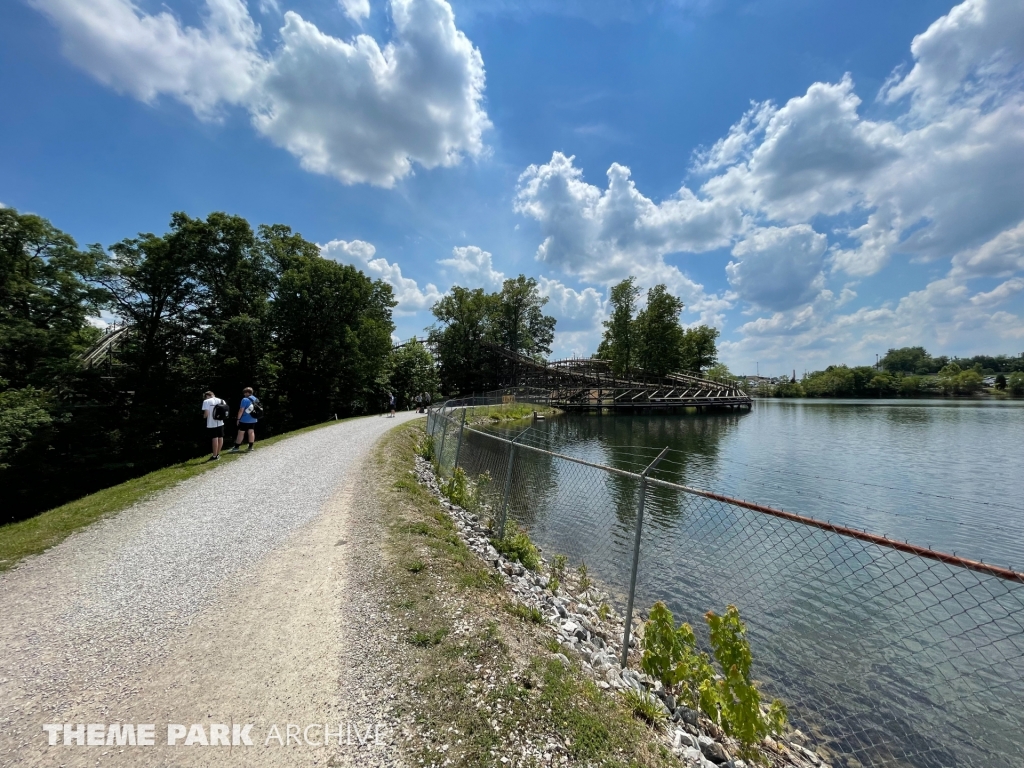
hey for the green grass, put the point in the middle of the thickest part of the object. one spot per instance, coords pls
(526, 613)
(493, 414)
(47, 529)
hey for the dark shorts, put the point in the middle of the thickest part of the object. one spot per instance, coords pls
(242, 426)
(215, 431)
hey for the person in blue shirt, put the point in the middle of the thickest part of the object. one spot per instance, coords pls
(246, 421)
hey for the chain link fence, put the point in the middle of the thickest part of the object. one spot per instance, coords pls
(885, 654)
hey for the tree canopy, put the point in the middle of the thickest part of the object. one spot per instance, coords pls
(209, 305)
(652, 340)
(471, 324)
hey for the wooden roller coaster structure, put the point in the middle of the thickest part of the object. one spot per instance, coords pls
(588, 384)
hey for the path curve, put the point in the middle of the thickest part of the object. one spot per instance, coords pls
(227, 599)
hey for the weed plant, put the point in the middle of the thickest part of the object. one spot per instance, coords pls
(731, 699)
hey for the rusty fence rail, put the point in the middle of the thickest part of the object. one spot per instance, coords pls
(885, 653)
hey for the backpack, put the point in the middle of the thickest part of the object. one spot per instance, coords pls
(220, 411)
(255, 410)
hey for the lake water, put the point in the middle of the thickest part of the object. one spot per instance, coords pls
(884, 658)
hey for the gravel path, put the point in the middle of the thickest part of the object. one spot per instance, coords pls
(238, 597)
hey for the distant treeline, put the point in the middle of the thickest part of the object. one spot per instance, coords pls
(907, 372)
(211, 304)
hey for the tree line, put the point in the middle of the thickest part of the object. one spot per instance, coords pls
(210, 304)
(216, 304)
(908, 372)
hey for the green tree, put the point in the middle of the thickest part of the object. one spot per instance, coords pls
(518, 322)
(721, 372)
(949, 378)
(411, 371)
(1015, 383)
(23, 417)
(659, 334)
(789, 389)
(884, 384)
(619, 343)
(907, 360)
(698, 350)
(460, 336)
(1001, 382)
(332, 327)
(834, 381)
(46, 294)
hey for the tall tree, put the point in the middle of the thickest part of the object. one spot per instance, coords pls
(46, 294)
(659, 334)
(698, 351)
(463, 326)
(618, 344)
(518, 320)
(332, 327)
(411, 372)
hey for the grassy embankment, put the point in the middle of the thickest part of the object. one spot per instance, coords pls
(485, 682)
(493, 414)
(47, 529)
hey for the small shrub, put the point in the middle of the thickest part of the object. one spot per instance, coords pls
(732, 701)
(644, 706)
(415, 566)
(670, 655)
(558, 563)
(426, 448)
(553, 645)
(554, 584)
(457, 489)
(604, 612)
(517, 546)
(737, 702)
(585, 582)
(464, 492)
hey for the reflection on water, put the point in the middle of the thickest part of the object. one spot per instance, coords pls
(889, 659)
(945, 474)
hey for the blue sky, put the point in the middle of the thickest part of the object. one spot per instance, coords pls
(821, 181)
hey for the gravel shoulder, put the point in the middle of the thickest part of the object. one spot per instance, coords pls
(242, 596)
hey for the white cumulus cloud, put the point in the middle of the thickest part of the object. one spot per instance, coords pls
(149, 55)
(410, 297)
(351, 109)
(474, 267)
(357, 10)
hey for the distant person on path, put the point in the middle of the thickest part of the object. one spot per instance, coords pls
(419, 403)
(247, 419)
(391, 404)
(215, 410)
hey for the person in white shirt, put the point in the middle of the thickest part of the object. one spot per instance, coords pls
(214, 426)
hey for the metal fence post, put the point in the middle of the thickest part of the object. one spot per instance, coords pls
(440, 451)
(508, 483)
(458, 445)
(636, 553)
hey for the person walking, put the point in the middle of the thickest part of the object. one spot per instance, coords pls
(247, 419)
(391, 404)
(215, 410)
